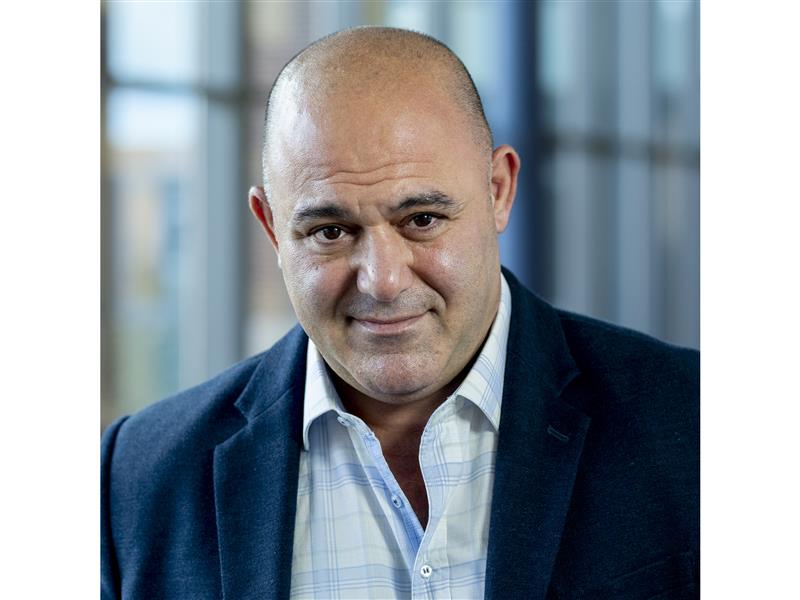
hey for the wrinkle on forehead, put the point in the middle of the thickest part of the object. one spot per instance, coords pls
(391, 171)
(389, 143)
(412, 133)
(345, 122)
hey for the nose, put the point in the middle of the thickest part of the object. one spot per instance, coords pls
(383, 264)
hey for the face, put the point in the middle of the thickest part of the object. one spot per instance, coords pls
(384, 213)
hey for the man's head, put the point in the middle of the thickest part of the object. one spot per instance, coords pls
(384, 204)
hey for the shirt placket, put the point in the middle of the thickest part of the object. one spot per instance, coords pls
(391, 498)
(430, 573)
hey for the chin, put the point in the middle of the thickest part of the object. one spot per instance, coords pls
(395, 379)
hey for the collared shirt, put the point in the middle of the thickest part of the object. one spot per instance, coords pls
(356, 535)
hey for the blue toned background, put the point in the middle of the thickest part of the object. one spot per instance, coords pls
(601, 99)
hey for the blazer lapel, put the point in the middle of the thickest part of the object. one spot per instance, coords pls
(540, 442)
(255, 478)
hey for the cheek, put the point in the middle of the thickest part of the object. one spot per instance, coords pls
(457, 265)
(314, 286)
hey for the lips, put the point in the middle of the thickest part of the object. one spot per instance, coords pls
(383, 326)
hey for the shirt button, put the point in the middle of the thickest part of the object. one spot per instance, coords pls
(343, 421)
(426, 571)
(396, 501)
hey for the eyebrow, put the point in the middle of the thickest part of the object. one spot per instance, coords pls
(435, 199)
(427, 199)
(327, 211)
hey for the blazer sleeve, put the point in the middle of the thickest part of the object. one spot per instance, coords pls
(109, 570)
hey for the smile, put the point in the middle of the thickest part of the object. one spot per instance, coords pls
(388, 326)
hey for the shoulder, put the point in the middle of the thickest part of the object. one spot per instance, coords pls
(616, 369)
(642, 394)
(631, 359)
(174, 436)
(196, 420)
(634, 386)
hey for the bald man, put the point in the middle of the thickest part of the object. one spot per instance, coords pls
(430, 429)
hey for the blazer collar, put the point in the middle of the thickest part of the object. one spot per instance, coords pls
(255, 477)
(540, 441)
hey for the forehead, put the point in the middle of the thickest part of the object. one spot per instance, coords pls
(399, 135)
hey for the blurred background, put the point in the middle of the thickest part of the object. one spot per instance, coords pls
(601, 99)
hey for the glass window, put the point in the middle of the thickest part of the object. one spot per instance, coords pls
(153, 41)
(607, 108)
(152, 175)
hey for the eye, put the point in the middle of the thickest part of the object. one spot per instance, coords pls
(423, 220)
(329, 233)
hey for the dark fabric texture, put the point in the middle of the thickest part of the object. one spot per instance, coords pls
(596, 491)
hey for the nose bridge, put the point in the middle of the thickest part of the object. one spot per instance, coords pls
(383, 263)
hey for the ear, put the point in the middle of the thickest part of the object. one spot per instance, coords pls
(505, 169)
(259, 206)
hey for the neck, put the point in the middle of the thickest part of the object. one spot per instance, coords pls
(395, 421)
(391, 419)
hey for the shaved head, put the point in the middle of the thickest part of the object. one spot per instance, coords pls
(365, 62)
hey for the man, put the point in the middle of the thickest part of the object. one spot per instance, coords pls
(434, 429)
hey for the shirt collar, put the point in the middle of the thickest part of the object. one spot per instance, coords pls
(483, 385)
(320, 394)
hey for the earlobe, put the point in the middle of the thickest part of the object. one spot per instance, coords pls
(260, 207)
(505, 169)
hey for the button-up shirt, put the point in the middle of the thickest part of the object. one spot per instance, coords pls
(356, 534)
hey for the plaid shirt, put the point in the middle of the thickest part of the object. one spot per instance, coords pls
(356, 535)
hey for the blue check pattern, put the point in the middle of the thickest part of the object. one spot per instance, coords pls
(356, 534)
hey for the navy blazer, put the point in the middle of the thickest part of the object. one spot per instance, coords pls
(596, 491)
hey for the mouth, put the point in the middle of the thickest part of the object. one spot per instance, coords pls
(392, 326)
